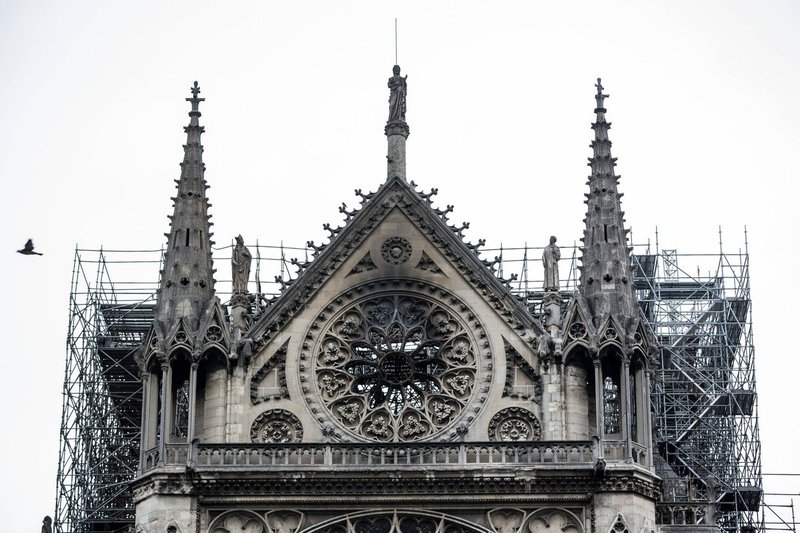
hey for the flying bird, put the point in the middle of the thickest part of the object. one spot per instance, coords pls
(28, 250)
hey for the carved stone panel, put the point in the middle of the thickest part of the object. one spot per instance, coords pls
(365, 265)
(269, 381)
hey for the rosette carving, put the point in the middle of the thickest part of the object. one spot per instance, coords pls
(514, 424)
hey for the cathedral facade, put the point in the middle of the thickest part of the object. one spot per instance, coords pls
(397, 384)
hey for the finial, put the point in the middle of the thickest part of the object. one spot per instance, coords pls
(195, 100)
(600, 97)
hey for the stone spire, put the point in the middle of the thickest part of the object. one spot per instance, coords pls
(187, 281)
(605, 272)
(396, 127)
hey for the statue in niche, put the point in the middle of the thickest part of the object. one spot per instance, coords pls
(397, 96)
(240, 264)
(550, 259)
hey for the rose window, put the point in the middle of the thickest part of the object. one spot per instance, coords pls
(395, 368)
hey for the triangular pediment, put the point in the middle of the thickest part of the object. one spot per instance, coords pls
(578, 327)
(396, 234)
(214, 331)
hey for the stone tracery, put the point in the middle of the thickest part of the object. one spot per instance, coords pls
(395, 367)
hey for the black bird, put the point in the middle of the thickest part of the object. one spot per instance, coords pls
(28, 250)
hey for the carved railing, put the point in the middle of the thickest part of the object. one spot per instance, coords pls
(672, 513)
(391, 455)
(639, 454)
(174, 454)
(150, 459)
(357, 455)
(615, 451)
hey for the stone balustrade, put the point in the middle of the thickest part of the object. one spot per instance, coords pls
(356, 455)
(682, 513)
(360, 455)
(376, 455)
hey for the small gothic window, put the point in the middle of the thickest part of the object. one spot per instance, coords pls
(611, 406)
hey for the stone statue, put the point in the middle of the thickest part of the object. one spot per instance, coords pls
(47, 525)
(550, 259)
(240, 264)
(397, 96)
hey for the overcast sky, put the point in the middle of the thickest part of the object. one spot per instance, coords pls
(704, 106)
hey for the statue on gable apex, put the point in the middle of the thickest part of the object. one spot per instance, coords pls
(397, 96)
(550, 258)
(240, 265)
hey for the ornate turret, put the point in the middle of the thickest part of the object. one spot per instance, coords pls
(396, 127)
(605, 273)
(187, 281)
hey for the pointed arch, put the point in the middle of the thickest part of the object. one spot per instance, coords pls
(238, 521)
(579, 393)
(397, 520)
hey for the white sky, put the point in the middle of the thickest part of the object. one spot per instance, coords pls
(704, 103)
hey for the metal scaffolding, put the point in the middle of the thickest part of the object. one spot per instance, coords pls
(112, 299)
(704, 397)
(102, 396)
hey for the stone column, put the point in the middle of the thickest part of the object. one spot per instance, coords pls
(598, 401)
(192, 402)
(624, 407)
(144, 443)
(166, 383)
(240, 306)
(647, 426)
(396, 133)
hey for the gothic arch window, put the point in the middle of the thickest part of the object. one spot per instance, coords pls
(396, 366)
(611, 395)
(619, 526)
(178, 427)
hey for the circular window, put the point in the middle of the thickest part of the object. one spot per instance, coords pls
(396, 367)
